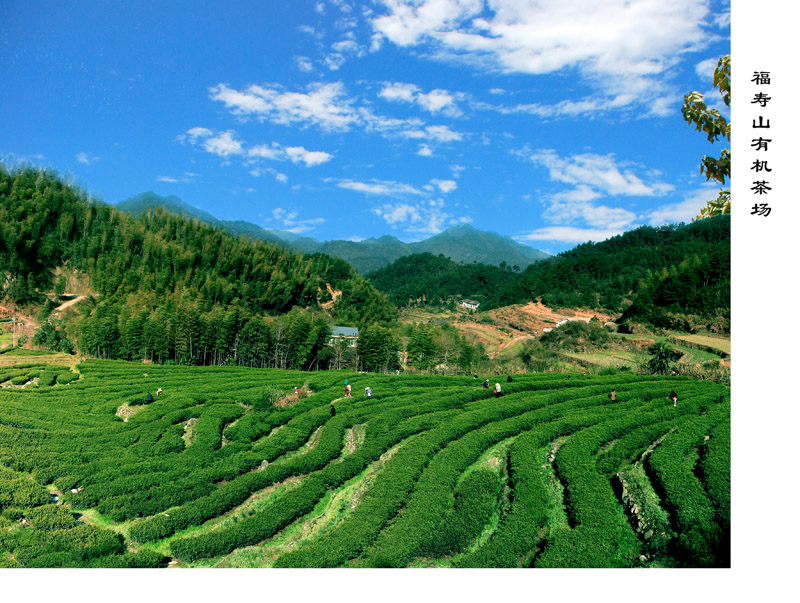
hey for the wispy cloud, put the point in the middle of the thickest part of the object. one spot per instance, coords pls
(445, 186)
(589, 171)
(426, 217)
(682, 211)
(225, 144)
(86, 158)
(569, 234)
(329, 107)
(304, 64)
(185, 177)
(261, 171)
(309, 158)
(296, 155)
(592, 177)
(435, 101)
(386, 188)
(612, 45)
(324, 105)
(287, 220)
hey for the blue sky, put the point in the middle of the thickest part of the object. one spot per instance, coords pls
(551, 121)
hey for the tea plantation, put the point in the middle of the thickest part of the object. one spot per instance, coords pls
(230, 467)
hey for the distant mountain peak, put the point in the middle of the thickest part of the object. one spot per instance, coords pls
(461, 242)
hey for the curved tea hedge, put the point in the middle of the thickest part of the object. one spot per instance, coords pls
(228, 458)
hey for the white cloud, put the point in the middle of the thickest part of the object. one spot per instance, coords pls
(399, 92)
(569, 234)
(434, 133)
(86, 158)
(705, 69)
(334, 61)
(327, 106)
(422, 217)
(435, 101)
(613, 45)
(277, 152)
(287, 220)
(260, 171)
(424, 151)
(682, 211)
(446, 186)
(596, 216)
(599, 172)
(185, 177)
(223, 144)
(198, 132)
(385, 188)
(273, 151)
(310, 158)
(304, 64)
(307, 29)
(592, 177)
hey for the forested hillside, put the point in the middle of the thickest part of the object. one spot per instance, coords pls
(669, 270)
(431, 279)
(165, 286)
(148, 201)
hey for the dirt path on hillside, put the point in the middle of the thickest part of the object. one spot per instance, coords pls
(69, 303)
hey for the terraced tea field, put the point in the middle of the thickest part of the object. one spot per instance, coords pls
(228, 467)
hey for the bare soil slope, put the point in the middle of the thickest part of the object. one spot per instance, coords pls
(502, 328)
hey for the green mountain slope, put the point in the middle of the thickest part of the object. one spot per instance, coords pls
(467, 244)
(141, 203)
(664, 272)
(434, 279)
(163, 278)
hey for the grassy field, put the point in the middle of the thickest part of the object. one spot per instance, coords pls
(429, 472)
(716, 342)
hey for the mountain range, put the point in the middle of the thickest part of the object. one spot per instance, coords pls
(462, 243)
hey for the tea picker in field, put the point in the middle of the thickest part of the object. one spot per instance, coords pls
(158, 392)
(613, 395)
(368, 392)
(486, 384)
(674, 397)
(497, 390)
(348, 390)
(149, 397)
(333, 410)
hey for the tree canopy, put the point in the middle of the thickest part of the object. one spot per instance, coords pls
(715, 126)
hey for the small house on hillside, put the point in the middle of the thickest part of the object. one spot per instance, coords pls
(348, 334)
(562, 322)
(470, 304)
